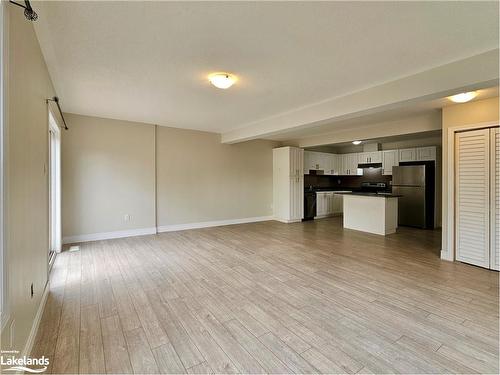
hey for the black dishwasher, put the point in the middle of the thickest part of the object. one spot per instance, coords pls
(309, 205)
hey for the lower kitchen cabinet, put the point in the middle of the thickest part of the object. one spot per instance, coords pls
(328, 204)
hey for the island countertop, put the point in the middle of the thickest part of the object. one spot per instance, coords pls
(376, 195)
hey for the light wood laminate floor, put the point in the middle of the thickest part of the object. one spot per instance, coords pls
(269, 298)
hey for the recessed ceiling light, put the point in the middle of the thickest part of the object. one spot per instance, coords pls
(356, 142)
(222, 80)
(463, 97)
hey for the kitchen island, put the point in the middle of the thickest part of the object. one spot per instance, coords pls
(371, 212)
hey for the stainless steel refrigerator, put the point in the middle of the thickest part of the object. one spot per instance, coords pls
(415, 184)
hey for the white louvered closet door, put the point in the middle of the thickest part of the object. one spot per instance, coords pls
(495, 199)
(473, 197)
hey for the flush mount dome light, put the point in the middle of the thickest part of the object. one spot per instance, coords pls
(222, 80)
(463, 97)
(356, 142)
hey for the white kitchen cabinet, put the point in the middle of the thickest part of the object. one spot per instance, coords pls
(426, 153)
(328, 204)
(390, 158)
(324, 204)
(370, 157)
(338, 203)
(407, 154)
(288, 184)
(317, 161)
(350, 165)
(376, 157)
(307, 157)
(363, 157)
(333, 164)
(311, 161)
(417, 154)
(321, 161)
(321, 204)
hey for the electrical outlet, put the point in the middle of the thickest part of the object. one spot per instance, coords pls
(126, 217)
(31, 290)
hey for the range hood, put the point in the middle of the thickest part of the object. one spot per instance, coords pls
(316, 172)
(369, 165)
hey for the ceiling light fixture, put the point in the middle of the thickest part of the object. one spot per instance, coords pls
(356, 142)
(463, 97)
(222, 80)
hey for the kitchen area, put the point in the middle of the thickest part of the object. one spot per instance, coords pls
(374, 190)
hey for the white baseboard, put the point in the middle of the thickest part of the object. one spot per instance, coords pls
(287, 221)
(36, 322)
(109, 235)
(208, 224)
(163, 228)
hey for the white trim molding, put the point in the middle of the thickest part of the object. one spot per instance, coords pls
(208, 224)
(109, 235)
(163, 228)
(4, 98)
(36, 322)
(287, 221)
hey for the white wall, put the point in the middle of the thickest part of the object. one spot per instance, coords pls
(26, 227)
(109, 171)
(200, 179)
(460, 115)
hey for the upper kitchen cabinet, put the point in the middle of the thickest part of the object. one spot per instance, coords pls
(333, 164)
(417, 154)
(407, 154)
(312, 161)
(370, 157)
(426, 153)
(350, 165)
(307, 161)
(390, 158)
(321, 161)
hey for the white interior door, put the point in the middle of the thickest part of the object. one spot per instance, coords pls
(495, 199)
(472, 214)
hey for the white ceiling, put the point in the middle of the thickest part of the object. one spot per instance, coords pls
(148, 61)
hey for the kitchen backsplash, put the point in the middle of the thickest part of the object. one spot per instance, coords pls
(369, 175)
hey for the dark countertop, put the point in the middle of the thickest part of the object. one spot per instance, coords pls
(319, 189)
(377, 195)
